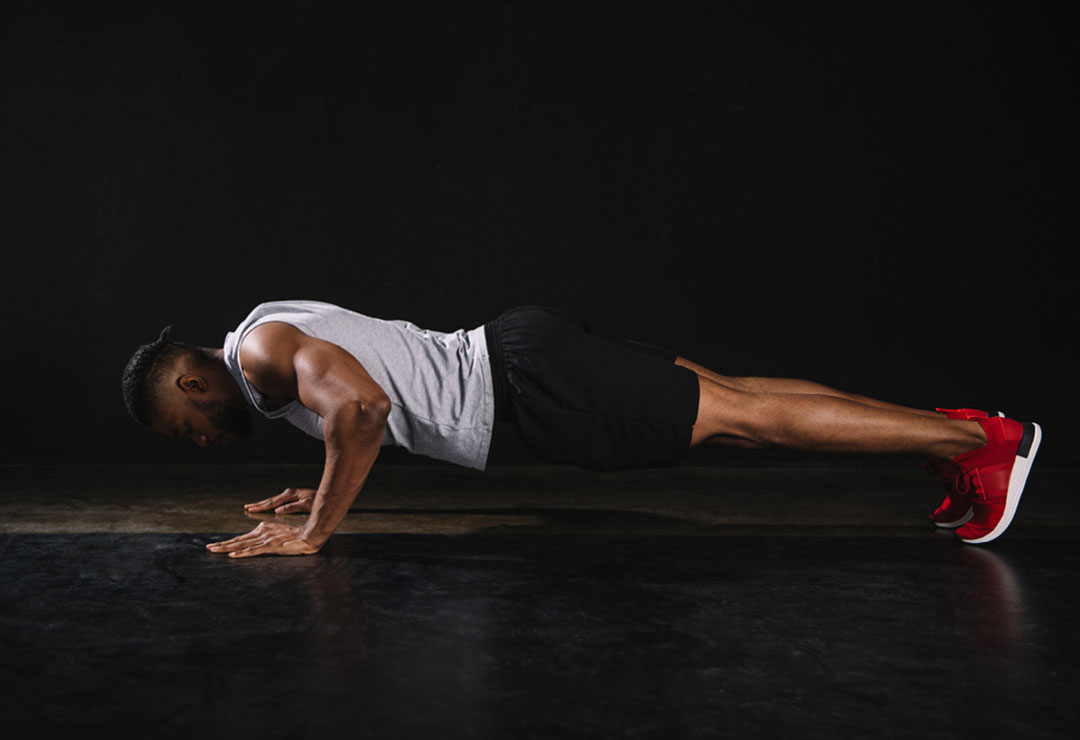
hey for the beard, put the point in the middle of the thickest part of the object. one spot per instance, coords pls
(228, 417)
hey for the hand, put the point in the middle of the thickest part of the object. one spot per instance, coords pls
(269, 538)
(289, 501)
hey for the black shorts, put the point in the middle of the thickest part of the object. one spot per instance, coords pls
(584, 399)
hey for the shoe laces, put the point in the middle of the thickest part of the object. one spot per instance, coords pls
(969, 483)
(948, 473)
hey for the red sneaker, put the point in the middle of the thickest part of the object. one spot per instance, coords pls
(956, 509)
(994, 476)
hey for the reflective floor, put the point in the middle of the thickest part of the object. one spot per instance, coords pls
(536, 603)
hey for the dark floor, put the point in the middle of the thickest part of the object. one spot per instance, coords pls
(536, 603)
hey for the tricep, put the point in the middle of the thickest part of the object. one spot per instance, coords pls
(319, 374)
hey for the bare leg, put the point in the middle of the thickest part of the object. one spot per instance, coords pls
(791, 385)
(827, 421)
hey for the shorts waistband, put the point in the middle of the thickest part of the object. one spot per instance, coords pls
(498, 370)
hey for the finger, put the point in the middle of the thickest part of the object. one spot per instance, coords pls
(222, 543)
(249, 552)
(258, 548)
(288, 495)
(261, 527)
(236, 542)
(294, 508)
(227, 546)
(277, 547)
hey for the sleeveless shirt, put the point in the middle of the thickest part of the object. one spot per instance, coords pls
(440, 383)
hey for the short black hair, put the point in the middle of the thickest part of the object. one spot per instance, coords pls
(146, 370)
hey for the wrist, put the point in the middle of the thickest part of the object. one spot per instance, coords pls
(315, 535)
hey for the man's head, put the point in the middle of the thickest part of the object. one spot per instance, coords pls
(182, 390)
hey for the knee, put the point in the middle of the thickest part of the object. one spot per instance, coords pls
(728, 412)
(746, 417)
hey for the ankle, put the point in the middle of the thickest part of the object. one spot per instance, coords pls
(970, 436)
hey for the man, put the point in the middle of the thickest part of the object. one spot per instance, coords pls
(577, 397)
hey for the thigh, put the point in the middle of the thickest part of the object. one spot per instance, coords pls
(593, 401)
(653, 350)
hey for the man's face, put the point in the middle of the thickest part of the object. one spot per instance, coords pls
(206, 421)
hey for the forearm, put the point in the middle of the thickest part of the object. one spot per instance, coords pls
(353, 439)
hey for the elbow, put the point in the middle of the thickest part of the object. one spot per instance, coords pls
(373, 411)
(378, 408)
(368, 414)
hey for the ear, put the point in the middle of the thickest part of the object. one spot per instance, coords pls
(191, 383)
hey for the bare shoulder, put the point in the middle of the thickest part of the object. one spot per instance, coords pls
(286, 364)
(266, 356)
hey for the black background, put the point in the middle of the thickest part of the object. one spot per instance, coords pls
(877, 198)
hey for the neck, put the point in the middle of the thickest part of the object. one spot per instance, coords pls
(218, 356)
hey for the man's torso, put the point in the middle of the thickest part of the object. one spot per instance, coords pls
(440, 383)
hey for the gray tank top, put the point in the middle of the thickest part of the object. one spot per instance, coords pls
(439, 382)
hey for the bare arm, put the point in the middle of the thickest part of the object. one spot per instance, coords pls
(353, 439)
(283, 362)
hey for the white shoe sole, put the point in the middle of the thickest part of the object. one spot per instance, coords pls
(1017, 481)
